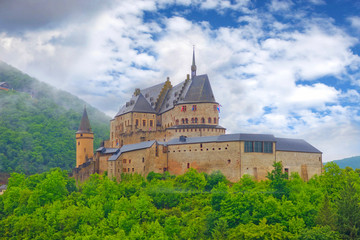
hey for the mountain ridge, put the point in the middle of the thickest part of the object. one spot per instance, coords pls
(353, 162)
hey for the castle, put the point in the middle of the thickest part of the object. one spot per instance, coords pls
(174, 128)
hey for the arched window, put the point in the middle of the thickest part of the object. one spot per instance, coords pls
(186, 121)
(177, 121)
(183, 121)
(214, 120)
(202, 120)
(209, 120)
(196, 120)
(192, 120)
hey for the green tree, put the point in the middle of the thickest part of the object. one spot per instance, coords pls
(278, 181)
(349, 211)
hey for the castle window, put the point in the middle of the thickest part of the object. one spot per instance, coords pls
(186, 121)
(196, 120)
(202, 120)
(129, 160)
(124, 160)
(144, 123)
(268, 147)
(78, 143)
(136, 122)
(151, 123)
(214, 120)
(194, 107)
(143, 160)
(287, 172)
(215, 108)
(133, 169)
(177, 122)
(124, 169)
(229, 161)
(128, 169)
(258, 146)
(183, 108)
(192, 120)
(209, 120)
(81, 135)
(188, 165)
(183, 121)
(248, 146)
(200, 145)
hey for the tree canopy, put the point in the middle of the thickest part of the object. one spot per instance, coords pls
(191, 206)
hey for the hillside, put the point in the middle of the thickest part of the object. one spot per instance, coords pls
(353, 162)
(38, 124)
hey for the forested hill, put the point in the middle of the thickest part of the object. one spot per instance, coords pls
(38, 124)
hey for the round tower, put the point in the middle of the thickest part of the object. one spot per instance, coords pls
(84, 141)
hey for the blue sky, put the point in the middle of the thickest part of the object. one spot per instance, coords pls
(290, 68)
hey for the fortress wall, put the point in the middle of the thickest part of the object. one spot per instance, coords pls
(306, 164)
(256, 164)
(140, 161)
(206, 157)
(190, 132)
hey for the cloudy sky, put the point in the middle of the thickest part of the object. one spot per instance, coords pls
(286, 67)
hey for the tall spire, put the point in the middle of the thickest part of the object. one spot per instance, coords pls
(193, 66)
(85, 123)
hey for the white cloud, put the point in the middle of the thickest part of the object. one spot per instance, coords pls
(263, 72)
(355, 22)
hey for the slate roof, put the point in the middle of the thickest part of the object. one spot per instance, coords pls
(199, 91)
(295, 145)
(4, 84)
(107, 150)
(137, 104)
(84, 124)
(195, 90)
(225, 138)
(132, 147)
(172, 97)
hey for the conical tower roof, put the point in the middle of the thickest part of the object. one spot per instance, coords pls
(84, 124)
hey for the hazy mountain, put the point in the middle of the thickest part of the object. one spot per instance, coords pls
(38, 124)
(353, 162)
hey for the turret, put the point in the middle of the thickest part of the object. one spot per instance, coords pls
(84, 141)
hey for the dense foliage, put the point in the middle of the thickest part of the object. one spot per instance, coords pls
(38, 125)
(190, 206)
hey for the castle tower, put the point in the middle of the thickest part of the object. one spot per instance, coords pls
(84, 141)
(193, 66)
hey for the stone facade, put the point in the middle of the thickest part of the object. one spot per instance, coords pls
(174, 128)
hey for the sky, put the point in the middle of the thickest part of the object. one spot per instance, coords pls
(283, 67)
